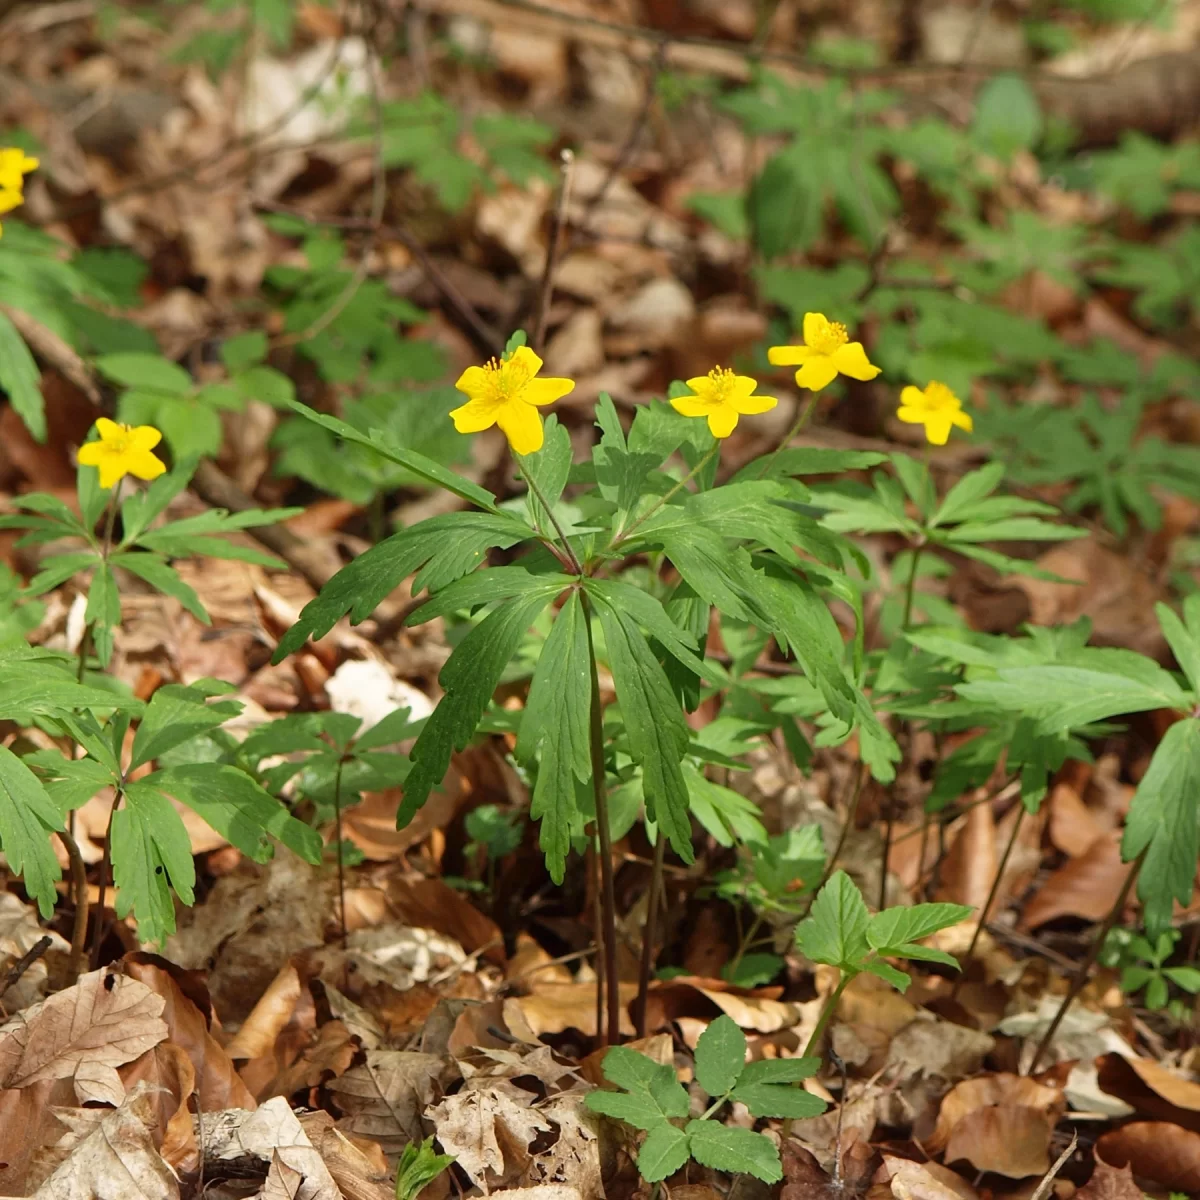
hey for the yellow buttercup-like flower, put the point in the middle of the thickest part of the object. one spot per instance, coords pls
(937, 408)
(722, 397)
(122, 450)
(507, 394)
(14, 166)
(827, 353)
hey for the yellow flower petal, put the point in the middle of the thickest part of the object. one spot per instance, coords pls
(722, 421)
(546, 391)
(522, 425)
(144, 437)
(817, 373)
(937, 429)
(788, 356)
(851, 359)
(750, 405)
(90, 453)
(912, 397)
(525, 359)
(108, 430)
(963, 420)
(912, 415)
(10, 200)
(816, 327)
(703, 386)
(143, 464)
(690, 406)
(472, 382)
(111, 471)
(474, 417)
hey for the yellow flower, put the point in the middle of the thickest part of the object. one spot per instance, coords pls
(937, 408)
(826, 354)
(122, 450)
(722, 397)
(506, 394)
(14, 166)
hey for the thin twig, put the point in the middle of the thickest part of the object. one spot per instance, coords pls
(546, 292)
(1043, 1188)
(14, 973)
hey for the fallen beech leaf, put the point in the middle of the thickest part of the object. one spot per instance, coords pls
(432, 904)
(359, 1168)
(327, 1056)
(258, 1032)
(971, 860)
(218, 1084)
(556, 1007)
(116, 1158)
(759, 1011)
(1165, 1154)
(1110, 1183)
(1010, 1139)
(384, 1097)
(931, 1046)
(83, 1033)
(1081, 887)
(985, 1091)
(169, 1072)
(489, 1131)
(531, 965)
(27, 1124)
(926, 1181)
(1073, 826)
(1151, 1089)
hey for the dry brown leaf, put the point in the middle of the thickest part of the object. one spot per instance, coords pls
(489, 1131)
(1010, 1139)
(1081, 887)
(27, 1124)
(530, 965)
(20, 931)
(83, 1033)
(371, 825)
(1073, 826)
(169, 1072)
(432, 904)
(384, 1097)
(556, 1007)
(874, 1003)
(282, 1182)
(358, 1167)
(759, 1010)
(257, 1034)
(327, 1056)
(971, 861)
(986, 1090)
(115, 1158)
(1165, 1154)
(925, 1181)
(1110, 1183)
(1151, 1089)
(188, 1017)
(933, 1047)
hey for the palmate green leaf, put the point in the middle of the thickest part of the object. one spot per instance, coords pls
(149, 371)
(890, 932)
(59, 568)
(727, 816)
(238, 808)
(556, 722)
(1163, 821)
(663, 1152)
(730, 1148)
(808, 460)
(36, 688)
(900, 980)
(835, 930)
(174, 715)
(421, 466)
(778, 1100)
(484, 587)
(20, 379)
(397, 726)
(1184, 637)
(647, 612)
(720, 1055)
(27, 818)
(779, 1070)
(620, 471)
(139, 508)
(654, 724)
(103, 612)
(443, 549)
(160, 575)
(548, 468)
(468, 679)
(969, 490)
(151, 856)
(69, 782)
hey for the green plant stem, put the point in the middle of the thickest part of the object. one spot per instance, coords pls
(625, 534)
(991, 897)
(341, 865)
(826, 1014)
(105, 862)
(797, 425)
(1085, 967)
(847, 824)
(745, 941)
(79, 892)
(604, 833)
(908, 588)
(649, 936)
(571, 560)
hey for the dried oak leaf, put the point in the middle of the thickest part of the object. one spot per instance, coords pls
(1110, 1183)
(358, 1166)
(116, 1157)
(1166, 1154)
(384, 1096)
(489, 1132)
(83, 1033)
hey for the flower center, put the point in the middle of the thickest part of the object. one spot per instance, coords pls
(505, 380)
(940, 397)
(830, 338)
(722, 380)
(120, 442)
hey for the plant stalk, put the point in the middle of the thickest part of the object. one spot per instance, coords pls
(571, 560)
(649, 936)
(105, 863)
(1085, 967)
(909, 587)
(671, 492)
(797, 425)
(826, 1015)
(608, 898)
(79, 892)
(341, 866)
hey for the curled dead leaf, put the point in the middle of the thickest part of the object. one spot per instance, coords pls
(1082, 887)
(1165, 1154)
(1151, 1089)
(1110, 1183)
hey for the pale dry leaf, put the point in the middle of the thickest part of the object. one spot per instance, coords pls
(171, 1075)
(574, 1157)
(1110, 1183)
(83, 1033)
(384, 1097)
(20, 931)
(282, 1182)
(117, 1158)
(257, 1033)
(556, 1007)
(358, 1166)
(931, 1046)
(1009, 1139)
(489, 1131)
(972, 1094)
(926, 1181)
(270, 1130)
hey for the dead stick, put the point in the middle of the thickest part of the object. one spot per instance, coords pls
(25, 962)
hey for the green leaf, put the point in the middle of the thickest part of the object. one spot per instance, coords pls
(483, 587)
(779, 1070)
(69, 782)
(654, 723)
(556, 722)
(418, 1167)
(969, 490)
(548, 468)
(1184, 637)
(900, 980)
(244, 349)
(778, 1100)
(447, 547)
(720, 1055)
(1162, 821)
(149, 372)
(808, 460)
(652, 1093)
(620, 471)
(1007, 117)
(175, 715)
(151, 855)
(729, 1148)
(161, 576)
(753, 970)
(397, 726)
(238, 808)
(20, 379)
(663, 1152)
(468, 679)
(103, 611)
(651, 616)
(895, 927)
(27, 818)
(835, 930)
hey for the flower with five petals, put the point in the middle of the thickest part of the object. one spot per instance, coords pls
(122, 450)
(827, 353)
(722, 397)
(937, 408)
(14, 166)
(505, 393)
